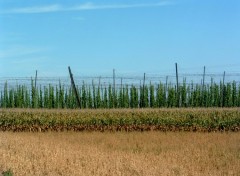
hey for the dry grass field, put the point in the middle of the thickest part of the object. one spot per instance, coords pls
(95, 153)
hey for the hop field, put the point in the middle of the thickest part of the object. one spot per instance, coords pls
(126, 96)
(183, 119)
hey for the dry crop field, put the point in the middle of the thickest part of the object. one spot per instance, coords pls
(187, 141)
(120, 153)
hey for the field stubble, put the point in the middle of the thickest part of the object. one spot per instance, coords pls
(121, 153)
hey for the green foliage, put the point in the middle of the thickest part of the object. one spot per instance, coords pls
(7, 173)
(110, 97)
(171, 101)
(134, 97)
(152, 96)
(84, 96)
(161, 96)
(185, 119)
(5, 95)
(126, 98)
(143, 96)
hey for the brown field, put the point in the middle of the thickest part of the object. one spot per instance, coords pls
(94, 153)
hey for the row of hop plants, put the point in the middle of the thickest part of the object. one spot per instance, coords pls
(128, 96)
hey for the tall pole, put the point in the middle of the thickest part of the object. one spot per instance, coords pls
(114, 88)
(74, 87)
(166, 89)
(177, 84)
(203, 85)
(223, 77)
(99, 81)
(121, 84)
(122, 102)
(36, 79)
(166, 82)
(204, 76)
(223, 89)
(144, 77)
(99, 85)
(114, 85)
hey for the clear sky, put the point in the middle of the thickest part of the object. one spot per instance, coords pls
(132, 36)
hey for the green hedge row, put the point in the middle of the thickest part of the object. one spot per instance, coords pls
(135, 119)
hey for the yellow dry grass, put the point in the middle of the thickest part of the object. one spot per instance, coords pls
(150, 153)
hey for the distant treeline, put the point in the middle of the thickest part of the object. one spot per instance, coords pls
(126, 96)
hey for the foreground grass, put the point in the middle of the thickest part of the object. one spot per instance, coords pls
(185, 119)
(148, 153)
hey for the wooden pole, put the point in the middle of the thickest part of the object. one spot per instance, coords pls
(177, 84)
(203, 86)
(166, 82)
(140, 87)
(223, 89)
(100, 86)
(121, 84)
(166, 89)
(114, 88)
(99, 81)
(204, 76)
(144, 77)
(122, 103)
(74, 87)
(114, 81)
(36, 79)
(223, 77)
(94, 95)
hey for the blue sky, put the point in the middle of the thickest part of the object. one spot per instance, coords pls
(133, 36)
